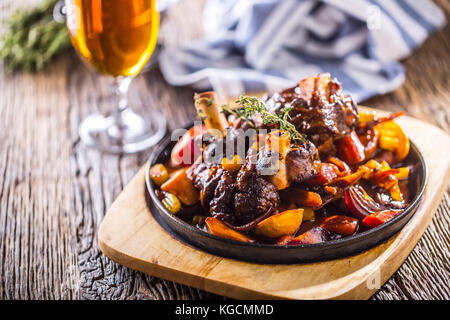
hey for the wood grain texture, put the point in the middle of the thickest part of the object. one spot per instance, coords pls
(54, 192)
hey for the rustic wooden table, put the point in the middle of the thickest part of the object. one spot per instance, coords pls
(54, 192)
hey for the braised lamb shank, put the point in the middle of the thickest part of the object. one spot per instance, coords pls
(319, 110)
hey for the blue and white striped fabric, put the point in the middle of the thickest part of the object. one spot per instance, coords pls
(268, 45)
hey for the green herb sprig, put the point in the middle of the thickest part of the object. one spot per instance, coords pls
(238, 113)
(198, 100)
(32, 38)
(251, 106)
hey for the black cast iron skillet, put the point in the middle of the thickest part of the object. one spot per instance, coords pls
(275, 254)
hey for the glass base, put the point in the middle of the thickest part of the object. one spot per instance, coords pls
(127, 133)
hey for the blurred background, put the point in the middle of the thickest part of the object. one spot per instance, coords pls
(54, 191)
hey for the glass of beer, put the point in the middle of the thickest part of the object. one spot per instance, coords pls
(117, 37)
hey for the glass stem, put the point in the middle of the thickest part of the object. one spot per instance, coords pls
(121, 85)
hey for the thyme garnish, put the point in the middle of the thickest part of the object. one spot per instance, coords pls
(238, 113)
(251, 106)
(201, 115)
(199, 110)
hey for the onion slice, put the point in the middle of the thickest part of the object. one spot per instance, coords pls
(360, 203)
(251, 225)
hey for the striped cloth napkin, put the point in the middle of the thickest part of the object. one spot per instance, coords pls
(268, 45)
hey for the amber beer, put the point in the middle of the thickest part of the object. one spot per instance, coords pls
(116, 36)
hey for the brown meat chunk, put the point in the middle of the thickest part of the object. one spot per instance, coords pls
(235, 197)
(221, 204)
(254, 196)
(319, 108)
(205, 177)
(301, 162)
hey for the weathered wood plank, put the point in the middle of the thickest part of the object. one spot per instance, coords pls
(35, 210)
(425, 95)
(54, 192)
(425, 273)
(131, 237)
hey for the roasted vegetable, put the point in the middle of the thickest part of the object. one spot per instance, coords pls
(280, 224)
(369, 168)
(312, 236)
(185, 151)
(278, 141)
(159, 174)
(327, 172)
(396, 193)
(345, 181)
(218, 228)
(330, 190)
(385, 177)
(180, 185)
(360, 203)
(369, 139)
(376, 120)
(171, 203)
(350, 149)
(343, 225)
(388, 143)
(393, 138)
(232, 164)
(366, 116)
(302, 198)
(402, 174)
(344, 169)
(375, 219)
(308, 214)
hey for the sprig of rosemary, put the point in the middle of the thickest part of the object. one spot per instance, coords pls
(32, 38)
(251, 106)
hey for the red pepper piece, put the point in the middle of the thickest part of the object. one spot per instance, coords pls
(342, 166)
(350, 149)
(326, 172)
(375, 219)
(184, 152)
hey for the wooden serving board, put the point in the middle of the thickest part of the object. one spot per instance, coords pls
(131, 236)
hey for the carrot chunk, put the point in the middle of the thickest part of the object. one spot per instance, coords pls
(218, 228)
(181, 186)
